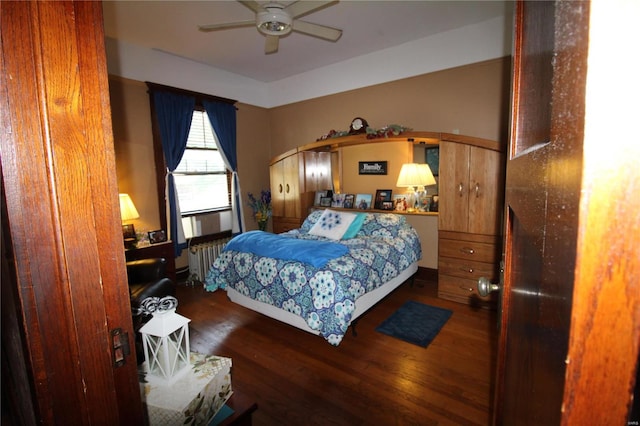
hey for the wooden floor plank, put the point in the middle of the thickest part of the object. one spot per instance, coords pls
(299, 379)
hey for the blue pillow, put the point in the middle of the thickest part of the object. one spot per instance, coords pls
(355, 226)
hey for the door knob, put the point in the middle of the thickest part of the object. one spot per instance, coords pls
(485, 286)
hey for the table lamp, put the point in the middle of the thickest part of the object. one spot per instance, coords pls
(128, 212)
(412, 176)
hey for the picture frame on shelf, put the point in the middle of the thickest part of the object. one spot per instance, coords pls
(319, 196)
(349, 200)
(400, 202)
(156, 237)
(386, 205)
(382, 195)
(433, 206)
(128, 231)
(424, 203)
(325, 202)
(363, 201)
(338, 200)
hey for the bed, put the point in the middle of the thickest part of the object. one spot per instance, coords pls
(322, 276)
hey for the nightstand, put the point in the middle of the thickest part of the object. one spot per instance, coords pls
(164, 249)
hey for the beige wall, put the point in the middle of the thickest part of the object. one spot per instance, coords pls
(472, 99)
(133, 143)
(254, 152)
(394, 153)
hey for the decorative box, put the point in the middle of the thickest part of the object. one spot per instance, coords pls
(194, 398)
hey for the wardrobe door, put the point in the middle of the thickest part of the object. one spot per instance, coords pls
(453, 212)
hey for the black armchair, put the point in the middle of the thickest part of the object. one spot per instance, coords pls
(147, 278)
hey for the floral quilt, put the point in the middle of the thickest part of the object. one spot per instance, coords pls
(324, 297)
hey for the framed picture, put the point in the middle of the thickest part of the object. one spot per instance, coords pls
(372, 167)
(381, 196)
(349, 199)
(158, 236)
(338, 200)
(424, 203)
(319, 196)
(129, 231)
(400, 202)
(325, 201)
(363, 201)
(432, 158)
(387, 205)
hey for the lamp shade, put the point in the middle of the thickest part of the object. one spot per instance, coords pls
(128, 210)
(415, 175)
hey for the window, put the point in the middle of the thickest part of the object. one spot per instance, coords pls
(201, 177)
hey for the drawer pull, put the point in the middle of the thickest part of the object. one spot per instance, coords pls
(469, 270)
(460, 189)
(280, 188)
(467, 250)
(469, 289)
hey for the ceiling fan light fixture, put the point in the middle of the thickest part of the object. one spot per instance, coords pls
(274, 21)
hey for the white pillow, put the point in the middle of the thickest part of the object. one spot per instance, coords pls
(332, 224)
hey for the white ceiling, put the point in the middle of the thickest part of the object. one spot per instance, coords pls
(368, 26)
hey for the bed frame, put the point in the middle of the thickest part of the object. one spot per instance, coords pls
(363, 303)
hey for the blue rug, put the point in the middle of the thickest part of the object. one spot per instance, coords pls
(415, 322)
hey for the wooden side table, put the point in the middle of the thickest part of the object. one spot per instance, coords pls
(243, 409)
(164, 249)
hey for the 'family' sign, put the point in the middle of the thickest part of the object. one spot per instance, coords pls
(372, 168)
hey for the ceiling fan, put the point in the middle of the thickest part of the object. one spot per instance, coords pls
(275, 20)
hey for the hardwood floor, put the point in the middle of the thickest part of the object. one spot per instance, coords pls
(299, 379)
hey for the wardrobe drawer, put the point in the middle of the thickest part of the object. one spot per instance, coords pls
(465, 268)
(468, 250)
(464, 291)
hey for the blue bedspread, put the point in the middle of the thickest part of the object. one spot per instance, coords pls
(323, 296)
(316, 253)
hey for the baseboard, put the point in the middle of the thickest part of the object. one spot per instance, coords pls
(427, 274)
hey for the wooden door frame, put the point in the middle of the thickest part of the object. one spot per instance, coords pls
(604, 338)
(597, 93)
(65, 272)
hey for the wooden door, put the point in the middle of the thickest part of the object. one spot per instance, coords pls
(570, 323)
(454, 187)
(324, 180)
(292, 170)
(276, 176)
(64, 286)
(486, 185)
(311, 171)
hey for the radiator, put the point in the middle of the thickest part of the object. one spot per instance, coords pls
(201, 257)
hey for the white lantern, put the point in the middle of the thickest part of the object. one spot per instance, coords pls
(166, 340)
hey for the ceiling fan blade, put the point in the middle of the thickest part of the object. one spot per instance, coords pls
(253, 5)
(271, 44)
(301, 8)
(224, 26)
(316, 30)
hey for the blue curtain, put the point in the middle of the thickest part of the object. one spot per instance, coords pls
(222, 116)
(174, 113)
